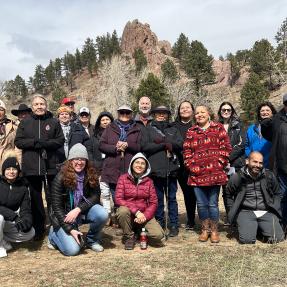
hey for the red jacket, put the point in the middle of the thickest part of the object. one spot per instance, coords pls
(140, 197)
(206, 155)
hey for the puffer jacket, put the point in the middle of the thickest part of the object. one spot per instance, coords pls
(15, 200)
(61, 203)
(139, 196)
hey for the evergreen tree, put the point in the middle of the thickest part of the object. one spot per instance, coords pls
(140, 59)
(115, 44)
(58, 68)
(198, 66)
(89, 56)
(57, 95)
(234, 68)
(40, 81)
(50, 74)
(252, 94)
(20, 87)
(69, 63)
(154, 89)
(181, 47)
(169, 71)
(78, 61)
(281, 39)
(9, 89)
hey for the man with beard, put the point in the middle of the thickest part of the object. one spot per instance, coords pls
(253, 199)
(143, 118)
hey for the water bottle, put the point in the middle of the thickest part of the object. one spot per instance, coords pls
(143, 239)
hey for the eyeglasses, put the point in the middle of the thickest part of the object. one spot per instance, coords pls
(79, 159)
(124, 112)
(69, 104)
(84, 114)
(226, 110)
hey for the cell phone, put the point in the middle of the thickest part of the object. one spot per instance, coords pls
(81, 240)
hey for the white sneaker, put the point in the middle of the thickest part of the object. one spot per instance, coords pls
(7, 245)
(50, 245)
(3, 252)
(97, 247)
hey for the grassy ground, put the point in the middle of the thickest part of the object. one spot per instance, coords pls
(183, 262)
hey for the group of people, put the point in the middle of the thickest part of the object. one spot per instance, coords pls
(125, 171)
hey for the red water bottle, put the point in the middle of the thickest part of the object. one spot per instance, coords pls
(143, 239)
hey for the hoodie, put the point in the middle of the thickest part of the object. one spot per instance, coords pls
(137, 194)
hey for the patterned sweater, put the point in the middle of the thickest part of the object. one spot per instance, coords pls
(206, 154)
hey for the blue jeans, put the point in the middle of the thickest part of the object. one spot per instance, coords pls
(161, 190)
(97, 216)
(207, 202)
(282, 179)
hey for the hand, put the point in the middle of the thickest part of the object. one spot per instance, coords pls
(168, 147)
(72, 215)
(22, 224)
(75, 233)
(121, 146)
(140, 218)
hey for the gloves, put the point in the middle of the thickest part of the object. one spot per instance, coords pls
(158, 140)
(40, 143)
(22, 225)
(168, 147)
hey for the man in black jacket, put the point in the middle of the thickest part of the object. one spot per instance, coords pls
(39, 136)
(275, 130)
(253, 199)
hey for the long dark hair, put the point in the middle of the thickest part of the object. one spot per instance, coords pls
(178, 117)
(268, 104)
(233, 112)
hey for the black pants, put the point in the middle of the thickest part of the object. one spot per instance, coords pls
(189, 197)
(37, 205)
(268, 224)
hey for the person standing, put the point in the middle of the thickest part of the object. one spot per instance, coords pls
(206, 152)
(143, 117)
(23, 112)
(71, 104)
(183, 122)
(85, 120)
(39, 137)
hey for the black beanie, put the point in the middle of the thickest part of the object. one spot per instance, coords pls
(10, 162)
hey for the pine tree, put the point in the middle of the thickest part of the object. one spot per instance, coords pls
(58, 68)
(50, 74)
(140, 59)
(21, 90)
(234, 68)
(57, 95)
(252, 94)
(281, 39)
(89, 56)
(155, 90)
(169, 71)
(40, 81)
(78, 61)
(198, 66)
(115, 44)
(181, 47)
(69, 63)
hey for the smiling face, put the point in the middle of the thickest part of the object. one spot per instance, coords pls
(255, 163)
(124, 115)
(185, 111)
(202, 115)
(64, 118)
(226, 112)
(144, 105)
(265, 112)
(39, 106)
(161, 116)
(79, 164)
(85, 118)
(11, 173)
(139, 166)
(104, 122)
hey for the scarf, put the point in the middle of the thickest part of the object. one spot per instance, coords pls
(124, 129)
(78, 192)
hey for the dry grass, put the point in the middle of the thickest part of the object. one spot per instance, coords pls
(183, 262)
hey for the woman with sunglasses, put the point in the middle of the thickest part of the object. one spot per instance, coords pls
(76, 200)
(119, 142)
(232, 125)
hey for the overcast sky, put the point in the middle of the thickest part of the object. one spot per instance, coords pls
(33, 32)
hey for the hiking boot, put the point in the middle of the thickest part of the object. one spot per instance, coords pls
(203, 237)
(214, 237)
(130, 243)
(173, 231)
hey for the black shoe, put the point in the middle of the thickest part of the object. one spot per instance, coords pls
(189, 226)
(130, 244)
(173, 231)
(39, 237)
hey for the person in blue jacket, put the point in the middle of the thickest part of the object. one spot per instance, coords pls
(254, 139)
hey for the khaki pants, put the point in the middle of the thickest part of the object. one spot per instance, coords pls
(155, 233)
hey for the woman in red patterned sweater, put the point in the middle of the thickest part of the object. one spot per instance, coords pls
(206, 150)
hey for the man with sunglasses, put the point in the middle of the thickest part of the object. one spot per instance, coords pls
(85, 120)
(275, 130)
(71, 104)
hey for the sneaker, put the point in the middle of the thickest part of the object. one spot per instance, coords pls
(3, 252)
(189, 227)
(173, 231)
(50, 245)
(130, 244)
(7, 245)
(97, 247)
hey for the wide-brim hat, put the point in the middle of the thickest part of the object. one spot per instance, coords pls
(21, 108)
(161, 109)
(125, 108)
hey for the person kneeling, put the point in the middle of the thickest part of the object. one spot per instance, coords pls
(253, 198)
(15, 207)
(137, 201)
(76, 200)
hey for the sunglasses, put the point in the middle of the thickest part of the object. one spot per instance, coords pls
(84, 114)
(124, 112)
(70, 104)
(226, 110)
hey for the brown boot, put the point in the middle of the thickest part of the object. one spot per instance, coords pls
(203, 237)
(214, 237)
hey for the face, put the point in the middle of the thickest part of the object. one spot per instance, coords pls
(139, 166)
(85, 118)
(11, 173)
(124, 115)
(255, 163)
(201, 115)
(185, 111)
(226, 111)
(71, 106)
(144, 105)
(39, 106)
(23, 115)
(79, 164)
(64, 118)
(2, 113)
(161, 116)
(265, 112)
(104, 122)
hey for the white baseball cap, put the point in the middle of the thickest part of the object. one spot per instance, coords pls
(84, 110)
